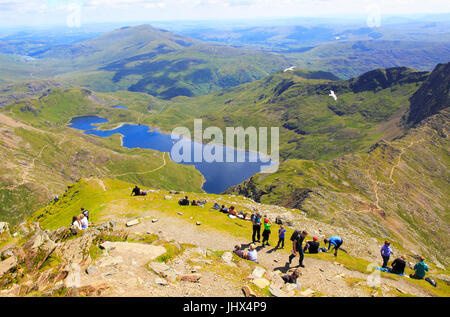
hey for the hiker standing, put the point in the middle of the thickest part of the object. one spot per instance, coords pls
(336, 242)
(386, 252)
(266, 232)
(256, 221)
(297, 241)
(281, 236)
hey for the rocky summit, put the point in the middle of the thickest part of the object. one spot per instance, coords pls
(175, 257)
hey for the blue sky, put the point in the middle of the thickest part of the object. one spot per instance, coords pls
(42, 12)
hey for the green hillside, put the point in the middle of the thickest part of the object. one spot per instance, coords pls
(157, 62)
(42, 156)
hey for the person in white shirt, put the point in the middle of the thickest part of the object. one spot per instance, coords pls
(76, 224)
(84, 222)
(252, 255)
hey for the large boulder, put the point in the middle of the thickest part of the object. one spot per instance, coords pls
(141, 253)
(38, 248)
(4, 227)
(7, 264)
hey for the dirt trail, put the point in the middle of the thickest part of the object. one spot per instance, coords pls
(26, 171)
(325, 277)
(143, 173)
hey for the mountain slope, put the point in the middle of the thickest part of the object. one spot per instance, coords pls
(165, 65)
(398, 190)
(433, 95)
(349, 59)
(312, 124)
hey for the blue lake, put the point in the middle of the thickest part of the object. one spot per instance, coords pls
(218, 175)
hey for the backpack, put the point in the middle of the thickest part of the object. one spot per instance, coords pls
(295, 235)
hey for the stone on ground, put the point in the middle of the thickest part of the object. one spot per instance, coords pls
(91, 270)
(143, 253)
(307, 293)
(258, 272)
(227, 257)
(261, 282)
(132, 223)
(248, 291)
(4, 227)
(7, 264)
(193, 278)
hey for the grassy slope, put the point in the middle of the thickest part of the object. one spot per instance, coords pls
(115, 203)
(41, 159)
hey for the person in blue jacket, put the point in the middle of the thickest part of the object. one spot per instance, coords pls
(336, 242)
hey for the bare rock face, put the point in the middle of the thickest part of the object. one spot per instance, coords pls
(142, 252)
(38, 248)
(432, 96)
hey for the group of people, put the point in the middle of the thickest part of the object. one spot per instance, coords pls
(81, 222)
(251, 254)
(298, 246)
(186, 202)
(399, 264)
(231, 212)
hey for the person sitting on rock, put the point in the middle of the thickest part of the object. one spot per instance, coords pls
(420, 270)
(239, 252)
(312, 246)
(252, 254)
(84, 222)
(184, 201)
(291, 278)
(76, 224)
(85, 213)
(398, 266)
(136, 191)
